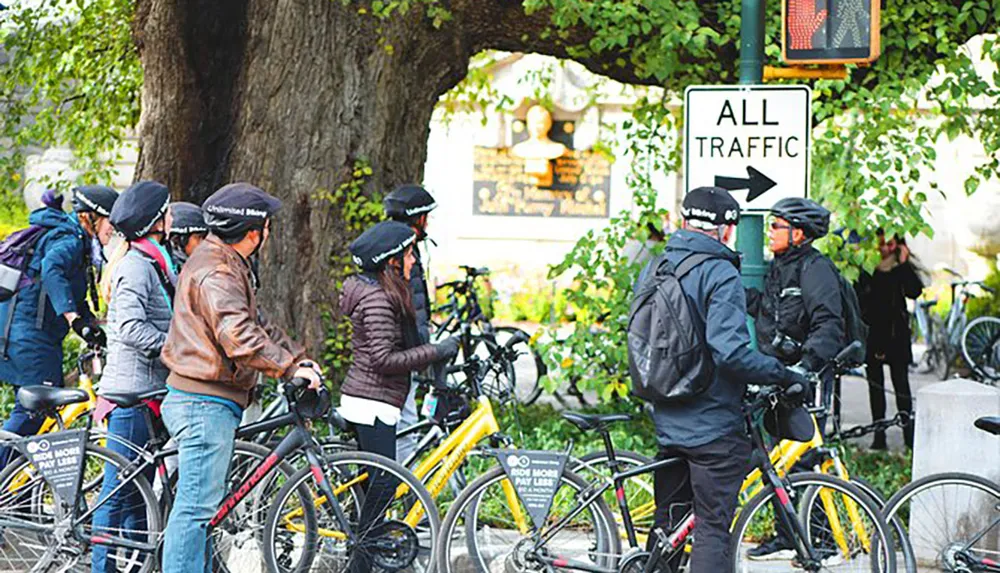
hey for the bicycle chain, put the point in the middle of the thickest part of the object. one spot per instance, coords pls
(901, 419)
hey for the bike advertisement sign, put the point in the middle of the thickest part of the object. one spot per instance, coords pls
(58, 457)
(536, 478)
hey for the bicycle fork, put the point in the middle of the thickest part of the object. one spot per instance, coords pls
(328, 497)
(786, 514)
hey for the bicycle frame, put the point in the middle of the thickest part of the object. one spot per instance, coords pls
(988, 565)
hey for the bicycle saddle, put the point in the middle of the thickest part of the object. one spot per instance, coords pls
(929, 303)
(598, 422)
(989, 424)
(131, 399)
(48, 398)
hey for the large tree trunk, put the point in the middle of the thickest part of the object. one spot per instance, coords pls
(288, 95)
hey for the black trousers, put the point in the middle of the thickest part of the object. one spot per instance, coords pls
(711, 478)
(381, 490)
(899, 370)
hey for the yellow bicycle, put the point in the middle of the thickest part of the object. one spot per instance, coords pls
(441, 464)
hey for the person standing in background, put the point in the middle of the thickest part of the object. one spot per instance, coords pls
(882, 294)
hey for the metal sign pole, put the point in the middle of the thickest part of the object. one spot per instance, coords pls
(750, 232)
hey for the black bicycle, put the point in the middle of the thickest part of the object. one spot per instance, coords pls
(834, 525)
(463, 316)
(49, 527)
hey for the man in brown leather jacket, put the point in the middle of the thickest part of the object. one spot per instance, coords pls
(216, 345)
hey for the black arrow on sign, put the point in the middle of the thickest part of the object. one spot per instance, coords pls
(757, 183)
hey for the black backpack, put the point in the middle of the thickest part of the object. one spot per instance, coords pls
(855, 327)
(668, 358)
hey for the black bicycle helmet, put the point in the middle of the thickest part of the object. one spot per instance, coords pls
(237, 208)
(186, 219)
(94, 199)
(379, 243)
(139, 208)
(407, 201)
(805, 214)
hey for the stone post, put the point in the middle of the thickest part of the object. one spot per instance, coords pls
(947, 441)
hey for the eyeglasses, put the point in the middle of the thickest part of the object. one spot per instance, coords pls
(776, 226)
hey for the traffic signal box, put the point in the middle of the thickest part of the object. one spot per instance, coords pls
(829, 31)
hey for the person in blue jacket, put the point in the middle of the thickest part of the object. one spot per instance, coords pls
(37, 319)
(708, 430)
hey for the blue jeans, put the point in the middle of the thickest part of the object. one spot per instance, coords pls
(205, 432)
(124, 515)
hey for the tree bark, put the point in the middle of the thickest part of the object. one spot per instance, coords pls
(287, 95)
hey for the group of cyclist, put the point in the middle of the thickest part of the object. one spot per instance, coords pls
(200, 334)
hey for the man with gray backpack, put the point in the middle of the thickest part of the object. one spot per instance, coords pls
(690, 356)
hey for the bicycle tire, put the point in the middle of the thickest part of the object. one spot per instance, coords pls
(798, 485)
(526, 391)
(896, 503)
(606, 549)
(431, 523)
(80, 558)
(981, 348)
(896, 525)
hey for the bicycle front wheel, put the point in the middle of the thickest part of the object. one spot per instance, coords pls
(32, 515)
(848, 535)
(948, 519)
(384, 519)
(488, 529)
(981, 347)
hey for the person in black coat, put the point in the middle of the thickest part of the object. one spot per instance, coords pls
(882, 294)
(412, 204)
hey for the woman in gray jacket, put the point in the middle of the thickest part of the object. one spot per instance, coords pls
(139, 311)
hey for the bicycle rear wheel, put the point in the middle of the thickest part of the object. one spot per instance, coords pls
(639, 492)
(35, 518)
(981, 347)
(390, 512)
(943, 514)
(486, 532)
(849, 535)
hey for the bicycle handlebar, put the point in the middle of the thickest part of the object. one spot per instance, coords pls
(475, 271)
(475, 368)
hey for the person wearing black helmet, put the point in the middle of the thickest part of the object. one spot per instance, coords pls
(139, 310)
(799, 317)
(92, 205)
(216, 345)
(411, 205)
(707, 430)
(386, 347)
(36, 320)
(187, 230)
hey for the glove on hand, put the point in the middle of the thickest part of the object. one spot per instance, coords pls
(447, 348)
(89, 331)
